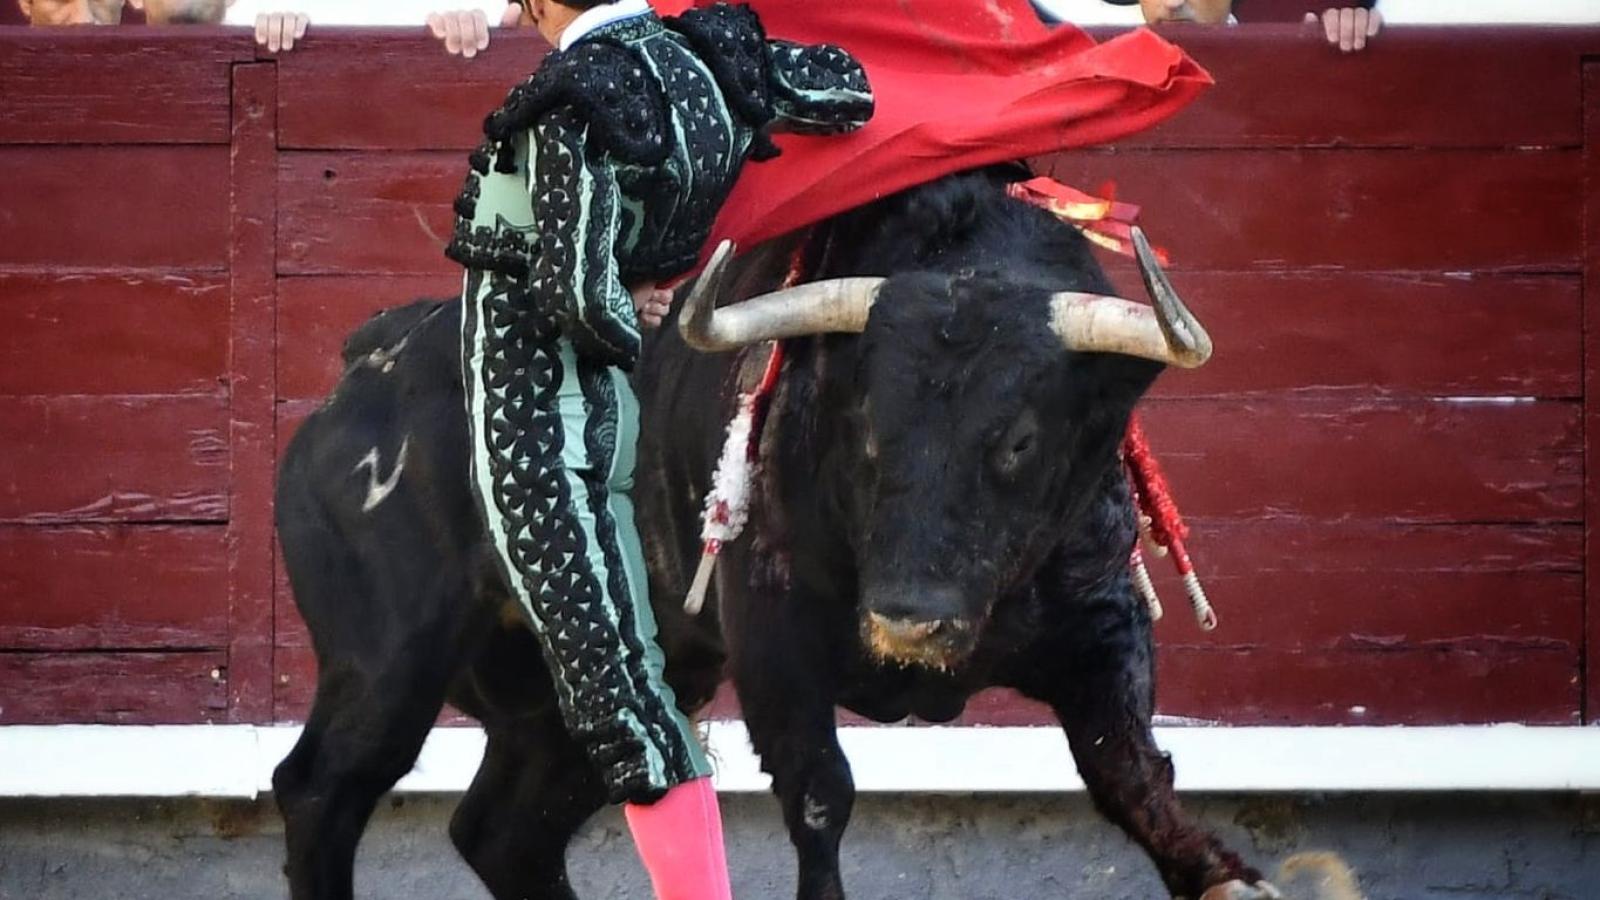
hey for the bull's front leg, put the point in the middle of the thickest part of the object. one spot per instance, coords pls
(781, 669)
(1097, 674)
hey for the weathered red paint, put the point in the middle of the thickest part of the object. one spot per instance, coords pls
(119, 458)
(189, 234)
(1312, 584)
(1591, 382)
(1423, 210)
(1388, 96)
(253, 389)
(98, 208)
(1333, 457)
(69, 86)
(319, 111)
(369, 213)
(1471, 685)
(1384, 333)
(133, 587)
(146, 333)
(113, 688)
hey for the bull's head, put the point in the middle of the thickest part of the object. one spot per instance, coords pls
(963, 424)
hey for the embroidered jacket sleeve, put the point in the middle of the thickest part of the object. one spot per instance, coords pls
(817, 89)
(577, 208)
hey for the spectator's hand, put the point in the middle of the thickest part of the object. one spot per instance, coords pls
(1206, 12)
(652, 304)
(1348, 27)
(56, 12)
(278, 31)
(464, 32)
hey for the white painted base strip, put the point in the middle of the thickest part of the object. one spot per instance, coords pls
(237, 760)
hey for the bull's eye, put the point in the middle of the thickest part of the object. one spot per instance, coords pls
(1017, 445)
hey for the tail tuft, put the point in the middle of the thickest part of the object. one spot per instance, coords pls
(1318, 876)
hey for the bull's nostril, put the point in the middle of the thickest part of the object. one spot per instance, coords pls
(895, 609)
(915, 601)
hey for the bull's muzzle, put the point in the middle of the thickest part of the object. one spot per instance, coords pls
(932, 643)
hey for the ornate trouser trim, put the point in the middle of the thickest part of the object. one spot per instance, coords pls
(553, 441)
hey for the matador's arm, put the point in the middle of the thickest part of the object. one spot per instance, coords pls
(577, 207)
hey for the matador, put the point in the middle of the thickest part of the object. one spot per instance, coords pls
(598, 180)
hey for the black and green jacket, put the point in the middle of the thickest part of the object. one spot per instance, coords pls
(606, 167)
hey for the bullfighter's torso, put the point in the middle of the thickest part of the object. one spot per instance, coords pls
(667, 113)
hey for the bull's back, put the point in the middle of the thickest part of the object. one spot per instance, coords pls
(377, 475)
(392, 364)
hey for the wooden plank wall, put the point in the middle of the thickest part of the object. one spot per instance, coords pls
(1384, 465)
(114, 377)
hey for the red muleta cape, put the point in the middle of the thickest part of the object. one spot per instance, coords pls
(958, 84)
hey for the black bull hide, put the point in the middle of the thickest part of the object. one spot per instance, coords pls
(941, 511)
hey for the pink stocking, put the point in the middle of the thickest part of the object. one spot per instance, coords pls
(679, 838)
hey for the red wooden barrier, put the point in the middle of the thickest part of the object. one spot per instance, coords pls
(1385, 465)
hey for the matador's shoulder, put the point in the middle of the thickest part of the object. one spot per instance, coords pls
(729, 39)
(607, 86)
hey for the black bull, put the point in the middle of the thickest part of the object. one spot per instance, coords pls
(942, 510)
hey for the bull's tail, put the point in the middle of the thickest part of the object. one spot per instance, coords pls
(1318, 876)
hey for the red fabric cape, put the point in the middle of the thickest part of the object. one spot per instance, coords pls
(958, 84)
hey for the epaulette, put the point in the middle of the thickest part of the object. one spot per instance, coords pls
(815, 68)
(607, 85)
(729, 39)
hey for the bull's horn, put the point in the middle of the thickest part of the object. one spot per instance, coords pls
(1167, 333)
(820, 307)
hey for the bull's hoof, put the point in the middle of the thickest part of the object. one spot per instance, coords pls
(1238, 890)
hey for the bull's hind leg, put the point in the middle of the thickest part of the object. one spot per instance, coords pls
(364, 733)
(1097, 673)
(535, 788)
(390, 638)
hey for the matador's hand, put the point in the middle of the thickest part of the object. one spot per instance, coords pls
(652, 304)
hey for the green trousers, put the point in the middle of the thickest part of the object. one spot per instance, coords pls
(554, 439)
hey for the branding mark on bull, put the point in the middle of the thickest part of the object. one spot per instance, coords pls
(379, 491)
